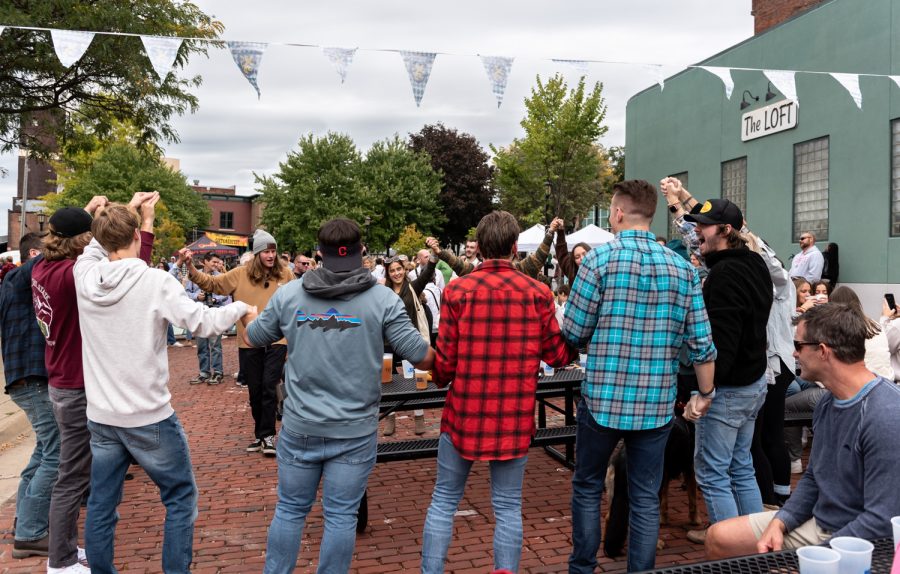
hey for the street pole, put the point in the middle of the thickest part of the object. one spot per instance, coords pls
(24, 202)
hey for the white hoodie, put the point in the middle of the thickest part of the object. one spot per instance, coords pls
(124, 308)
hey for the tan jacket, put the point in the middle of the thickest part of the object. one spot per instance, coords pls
(237, 284)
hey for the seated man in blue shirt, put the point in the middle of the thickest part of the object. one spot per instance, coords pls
(850, 485)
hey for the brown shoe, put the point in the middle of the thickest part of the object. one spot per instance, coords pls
(420, 424)
(26, 548)
(697, 536)
(390, 423)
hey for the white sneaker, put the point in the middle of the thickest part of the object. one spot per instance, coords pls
(797, 466)
(177, 344)
(76, 568)
(82, 556)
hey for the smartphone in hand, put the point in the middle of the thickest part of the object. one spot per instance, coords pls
(889, 297)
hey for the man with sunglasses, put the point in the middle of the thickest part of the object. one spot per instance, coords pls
(809, 263)
(301, 265)
(849, 488)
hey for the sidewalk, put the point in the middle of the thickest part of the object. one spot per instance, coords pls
(237, 500)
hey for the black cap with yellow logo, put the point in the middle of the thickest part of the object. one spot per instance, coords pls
(715, 211)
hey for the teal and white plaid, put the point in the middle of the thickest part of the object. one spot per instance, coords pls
(636, 303)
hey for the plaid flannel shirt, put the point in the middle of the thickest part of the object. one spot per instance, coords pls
(637, 303)
(496, 327)
(23, 342)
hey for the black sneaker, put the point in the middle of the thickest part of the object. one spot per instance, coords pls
(215, 379)
(255, 446)
(198, 380)
(268, 446)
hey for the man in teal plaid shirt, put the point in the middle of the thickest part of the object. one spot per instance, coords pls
(635, 304)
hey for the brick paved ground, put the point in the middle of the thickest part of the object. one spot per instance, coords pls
(237, 499)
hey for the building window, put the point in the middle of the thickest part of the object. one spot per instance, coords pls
(734, 182)
(226, 220)
(673, 231)
(811, 188)
(895, 177)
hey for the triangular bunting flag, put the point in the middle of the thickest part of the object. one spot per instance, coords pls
(784, 81)
(340, 58)
(580, 65)
(851, 83)
(418, 66)
(658, 73)
(162, 52)
(70, 46)
(724, 74)
(2, 28)
(497, 68)
(896, 80)
(247, 56)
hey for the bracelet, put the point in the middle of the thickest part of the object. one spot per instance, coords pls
(710, 395)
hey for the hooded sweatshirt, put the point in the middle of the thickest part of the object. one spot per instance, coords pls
(125, 308)
(341, 319)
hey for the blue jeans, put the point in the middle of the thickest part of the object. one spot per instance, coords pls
(209, 352)
(646, 450)
(722, 458)
(302, 461)
(506, 498)
(161, 449)
(39, 475)
(170, 335)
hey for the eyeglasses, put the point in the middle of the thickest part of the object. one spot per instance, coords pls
(805, 237)
(304, 264)
(800, 344)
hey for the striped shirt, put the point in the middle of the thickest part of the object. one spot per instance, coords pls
(637, 303)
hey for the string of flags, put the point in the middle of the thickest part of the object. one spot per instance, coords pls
(70, 46)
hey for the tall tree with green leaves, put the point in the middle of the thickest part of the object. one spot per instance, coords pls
(113, 80)
(400, 188)
(317, 182)
(466, 190)
(120, 169)
(556, 169)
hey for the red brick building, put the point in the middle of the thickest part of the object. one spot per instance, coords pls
(768, 13)
(233, 217)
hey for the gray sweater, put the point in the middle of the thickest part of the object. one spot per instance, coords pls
(335, 325)
(850, 486)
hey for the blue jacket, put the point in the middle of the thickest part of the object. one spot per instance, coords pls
(22, 340)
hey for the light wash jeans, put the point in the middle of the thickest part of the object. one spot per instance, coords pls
(646, 450)
(722, 460)
(161, 449)
(209, 353)
(39, 475)
(302, 461)
(506, 498)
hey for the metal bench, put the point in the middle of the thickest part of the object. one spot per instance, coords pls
(801, 419)
(428, 447)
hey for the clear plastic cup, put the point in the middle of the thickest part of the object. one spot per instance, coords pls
(895, 523)
(818, 560)
(546, 369)
(856, 554)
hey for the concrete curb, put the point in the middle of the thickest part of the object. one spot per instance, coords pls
(13, 421)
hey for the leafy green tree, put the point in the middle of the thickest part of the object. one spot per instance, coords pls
(410, 241)
(556, 168)
(113, 80)
(466, 192)
(118, 171)
(400, 188)
(317, 182)
(169, 236)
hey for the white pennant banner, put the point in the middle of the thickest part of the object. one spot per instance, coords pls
(70, 46)
(162, 53)
(580, 66)
(851, 84)
(497, 68)
(896, 80)
(340, 58)
(2, 28)
(658, 74)
(723, 74)
(418, 66)
(785, 83)
(247, 56)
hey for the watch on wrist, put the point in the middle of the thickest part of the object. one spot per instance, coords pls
(673, 208)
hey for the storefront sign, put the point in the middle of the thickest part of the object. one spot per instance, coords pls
(228, 239)
(769, 120)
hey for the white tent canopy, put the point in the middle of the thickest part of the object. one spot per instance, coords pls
(531, 238)
(592, 235)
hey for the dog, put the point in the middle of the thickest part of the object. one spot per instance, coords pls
(679, 462)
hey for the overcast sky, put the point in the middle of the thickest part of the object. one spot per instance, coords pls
(234, 134)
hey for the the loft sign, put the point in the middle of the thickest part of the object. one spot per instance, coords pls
(769, 120)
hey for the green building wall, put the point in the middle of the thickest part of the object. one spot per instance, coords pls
(691, 126)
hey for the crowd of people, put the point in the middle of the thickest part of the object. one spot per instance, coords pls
(723, 328)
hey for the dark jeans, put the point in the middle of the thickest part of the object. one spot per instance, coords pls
(69, 406)
(262, 369)
(646, 451)
(771, 461)
(39, 475)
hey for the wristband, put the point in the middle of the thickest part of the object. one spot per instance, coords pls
(710, 395)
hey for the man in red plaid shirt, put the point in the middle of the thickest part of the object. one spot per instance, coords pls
(497, 324)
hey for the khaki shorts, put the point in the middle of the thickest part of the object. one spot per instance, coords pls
(807, 534)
